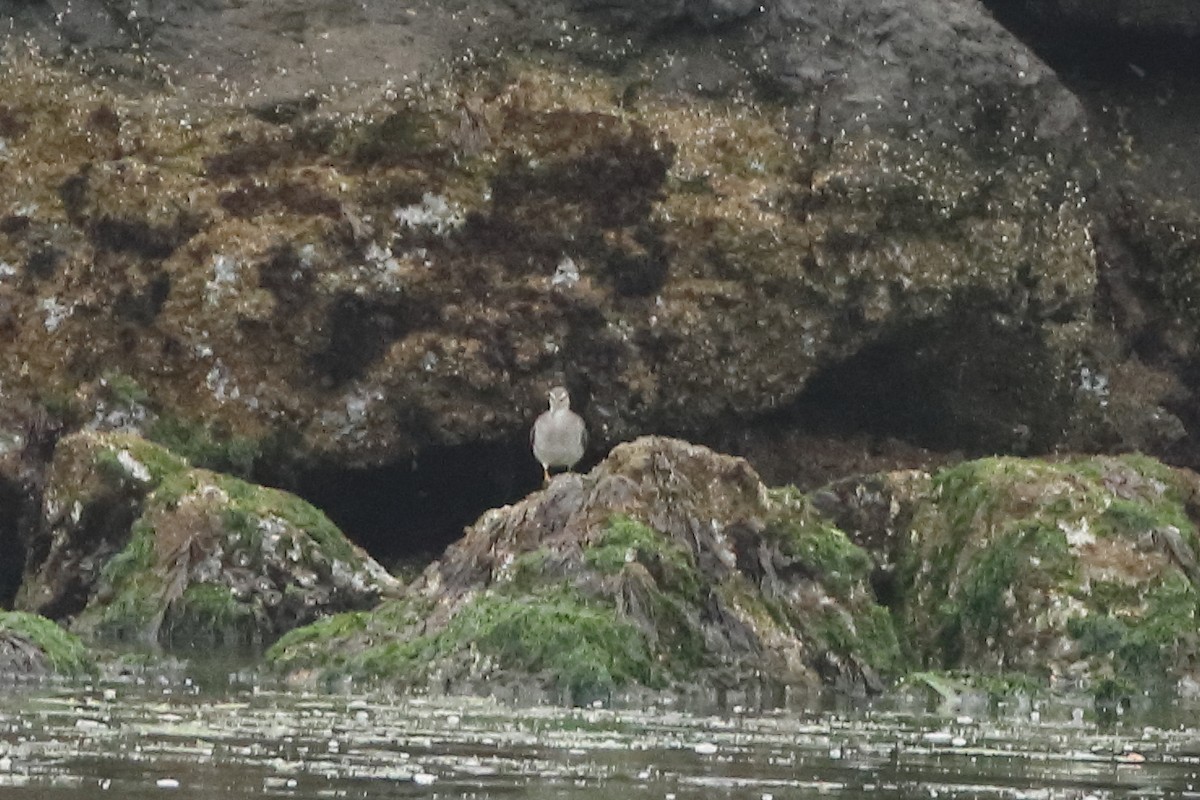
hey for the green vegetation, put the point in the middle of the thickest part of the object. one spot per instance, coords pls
(1144, 650)
(64, 651)
(581, 646)
(1007, 545)
(148, 583)
(822, 548)
(209, 612)
(205, 446)
(627, 541)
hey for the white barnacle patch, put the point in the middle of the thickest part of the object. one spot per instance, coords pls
(133, 468)
(1078, 533)
(566, 274)
(1094, 383)
(224, 275)
(272, 529)
(434, 212)
(219, 382)
(56, 313)
(7, 270)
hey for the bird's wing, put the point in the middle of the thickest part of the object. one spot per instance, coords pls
(583, 434)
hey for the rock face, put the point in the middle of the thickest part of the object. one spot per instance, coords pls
(135, 544)
(667, 566)
(356, 291)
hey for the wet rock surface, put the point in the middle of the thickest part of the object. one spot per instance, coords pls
(843, 238)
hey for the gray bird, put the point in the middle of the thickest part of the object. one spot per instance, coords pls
(559, 436)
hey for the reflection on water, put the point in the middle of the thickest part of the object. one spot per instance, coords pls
(239, 740)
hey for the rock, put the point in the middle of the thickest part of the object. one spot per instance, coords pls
(251, 305)
(1078, 571)
(667, 566)
(133, 543)
(34, 647)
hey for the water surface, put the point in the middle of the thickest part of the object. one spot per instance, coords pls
(230, 740)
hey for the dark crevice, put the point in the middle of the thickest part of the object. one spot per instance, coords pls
(942, 386)
(410, 510)
(1103, 51)
(13, 562)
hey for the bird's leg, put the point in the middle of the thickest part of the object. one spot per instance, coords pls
(545, 475)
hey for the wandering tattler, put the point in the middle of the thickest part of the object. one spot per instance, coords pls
(559, 435)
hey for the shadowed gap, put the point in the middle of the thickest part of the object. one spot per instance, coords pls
(12, 552)
(408, 511)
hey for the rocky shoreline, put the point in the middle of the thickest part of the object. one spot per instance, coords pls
(268, 347)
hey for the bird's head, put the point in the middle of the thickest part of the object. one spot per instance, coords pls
(559, 399)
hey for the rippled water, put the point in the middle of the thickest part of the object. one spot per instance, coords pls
(155, 739)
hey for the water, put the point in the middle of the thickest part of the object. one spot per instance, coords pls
(158, 739)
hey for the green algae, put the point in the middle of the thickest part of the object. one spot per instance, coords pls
(1147, 650)
(203, 445)
(580, 646)
(1012, 555)
(145, 589)
(211, 613)
(65, 652)
(805, 535)
(625, 540)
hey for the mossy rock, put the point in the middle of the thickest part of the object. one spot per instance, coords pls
(1079, 571)
(586, 599)
(192, 556)
(32, 646)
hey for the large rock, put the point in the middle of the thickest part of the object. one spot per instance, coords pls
(1082, 572)
(358, 290)
(133, 543)
(667, 566)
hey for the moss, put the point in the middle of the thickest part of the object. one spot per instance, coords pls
(584, 646)
(124, 389)
(803, 534)
(208, 612)
(980, 604)
(626, 540)
(130, 616)
(580, 646)
(204, 446)
(64, 651)
(321, 645)
(137, 557)
(1146, 644)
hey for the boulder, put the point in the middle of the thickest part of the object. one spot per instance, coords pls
(135, 544)
(1080, 572)
(351, 290)
(668, 566)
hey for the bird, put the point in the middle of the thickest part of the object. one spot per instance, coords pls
(559, 435)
